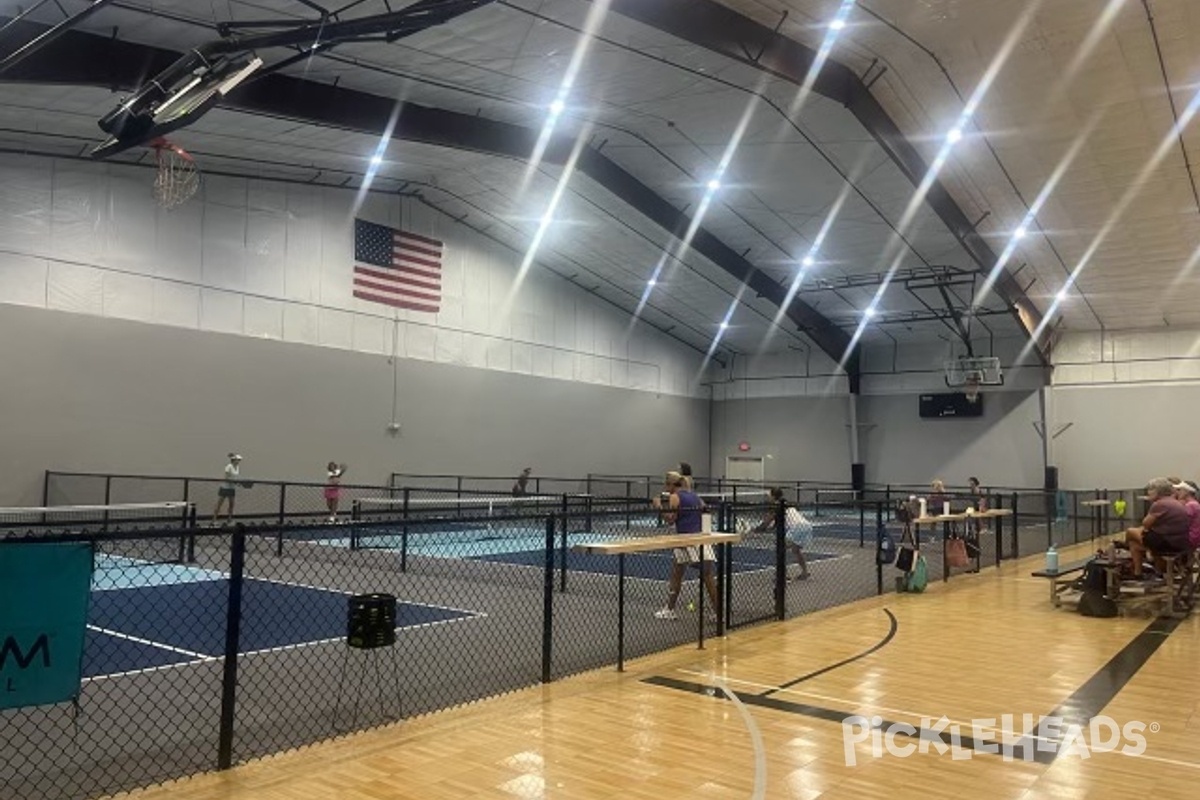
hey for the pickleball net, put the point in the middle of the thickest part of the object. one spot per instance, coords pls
(175, 518)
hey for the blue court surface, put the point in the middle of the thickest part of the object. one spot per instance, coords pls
(180, 617)
(525, 550)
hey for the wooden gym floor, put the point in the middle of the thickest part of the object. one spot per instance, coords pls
(759, 714)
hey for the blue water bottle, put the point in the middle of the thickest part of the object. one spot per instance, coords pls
(1052, 560)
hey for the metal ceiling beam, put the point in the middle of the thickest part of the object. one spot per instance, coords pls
(84, 59)
(722, 30)
(48, 36)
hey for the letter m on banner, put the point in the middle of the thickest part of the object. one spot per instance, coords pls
(44, 592)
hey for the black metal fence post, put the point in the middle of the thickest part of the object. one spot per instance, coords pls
(548, 601)
(562, 552)
(1016, 509)
(862, 524)
(282, 510)
(233, 628)
(879, 530)
(780, 563)
(107, 497)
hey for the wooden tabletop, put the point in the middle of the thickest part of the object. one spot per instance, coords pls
(959, 516)
(646, 544)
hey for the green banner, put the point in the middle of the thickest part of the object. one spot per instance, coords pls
(44, 591)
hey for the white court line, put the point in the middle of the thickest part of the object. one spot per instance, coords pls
(468, 611)
(342, 639)
(145, 670)
(720, 680)
(760, 753)
(151, 643)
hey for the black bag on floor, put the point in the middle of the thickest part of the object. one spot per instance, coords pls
(1093, 603)
(1095, 578)
(886, 553)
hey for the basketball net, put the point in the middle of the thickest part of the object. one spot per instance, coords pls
(178, 177)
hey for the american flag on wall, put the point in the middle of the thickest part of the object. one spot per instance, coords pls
(397, 268)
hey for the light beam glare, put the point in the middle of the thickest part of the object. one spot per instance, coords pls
(546, 220)
(721, 329)
(674, 255)
(836, 26)
(1027, 221)
(917, 201)
(595, 19)
(1165, 146)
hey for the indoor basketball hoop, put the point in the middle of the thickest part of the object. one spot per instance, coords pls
(971, 387)
(969, 374)
(178, 176)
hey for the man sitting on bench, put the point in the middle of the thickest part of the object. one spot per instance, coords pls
(1164, 531)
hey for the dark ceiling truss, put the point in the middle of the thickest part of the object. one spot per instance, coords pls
(125, 65)
(327, 177)
(722, 30)
(48, 36)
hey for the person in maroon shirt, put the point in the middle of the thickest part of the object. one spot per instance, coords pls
(1163, 532)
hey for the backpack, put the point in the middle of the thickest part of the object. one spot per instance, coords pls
(918, 578)
(1093, 603)
(886, 551)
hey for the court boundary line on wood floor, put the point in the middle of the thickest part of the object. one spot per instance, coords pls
(1079, 708)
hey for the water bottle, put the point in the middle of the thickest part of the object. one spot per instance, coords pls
(1052, 560)
(923, 509)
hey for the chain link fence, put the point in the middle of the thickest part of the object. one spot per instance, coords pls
(210, 646)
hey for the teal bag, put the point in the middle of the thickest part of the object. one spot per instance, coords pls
(919, 577)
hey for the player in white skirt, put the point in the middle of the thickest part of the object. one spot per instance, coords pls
(797, 527)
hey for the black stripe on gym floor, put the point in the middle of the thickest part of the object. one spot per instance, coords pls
(1084, 703)
(893, 626)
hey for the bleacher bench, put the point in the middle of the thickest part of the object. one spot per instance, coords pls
(1062, 578)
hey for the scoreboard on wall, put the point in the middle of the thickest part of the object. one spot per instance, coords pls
(950, 404)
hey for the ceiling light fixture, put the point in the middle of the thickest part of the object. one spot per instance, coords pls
(837, 24)
(558, 106)
(713, 184)
(808, 261)
(955, 135)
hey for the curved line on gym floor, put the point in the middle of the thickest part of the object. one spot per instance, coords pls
(893, 626)
(760, 752)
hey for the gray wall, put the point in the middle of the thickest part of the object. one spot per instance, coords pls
(1120, 436)
(805, 437)
(94, 394)
(1001, 448)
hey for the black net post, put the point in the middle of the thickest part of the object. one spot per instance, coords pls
(780, 562)
(548, 601)
(107, 497)
(628, 494)
(45, 488)
(233, 623)
(404, 530)
(862, 524)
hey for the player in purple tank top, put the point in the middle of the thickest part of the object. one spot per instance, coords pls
(686, 514)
